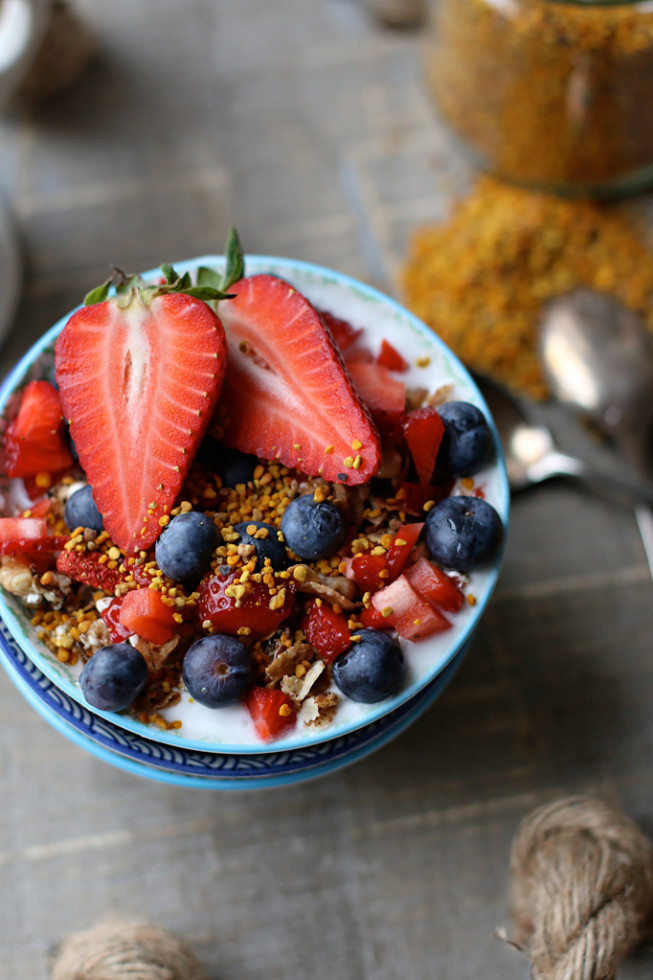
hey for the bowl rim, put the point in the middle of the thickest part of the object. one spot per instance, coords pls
(216, 782)
(21, 373)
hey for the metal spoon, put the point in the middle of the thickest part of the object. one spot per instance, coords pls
(598, 359)
(532, 457)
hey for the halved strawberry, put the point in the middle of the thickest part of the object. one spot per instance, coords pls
(287, 394)
(34, 441)
(423, 430)
(144, 612)
(140, 375)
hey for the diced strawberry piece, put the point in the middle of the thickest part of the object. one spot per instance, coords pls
(359, 355)
(287, 394)
(370, 619)
(41, 507)
(400, 550)
(390, 358)
(384, 395)
(434, 585)
(271, 710)
(341, 330)
(27, 536)
(377, 387)
(34, 485)
(407, 612)
(139, 383)
(34, 441)
(415, 495)
(88, 569)
(227, 614)
(144, 612)
(366, 571)
(423, 430)
(111, 616)
(327, 631)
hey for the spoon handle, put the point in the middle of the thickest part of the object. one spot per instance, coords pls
(633, 493)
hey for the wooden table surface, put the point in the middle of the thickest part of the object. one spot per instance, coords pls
(306, 124)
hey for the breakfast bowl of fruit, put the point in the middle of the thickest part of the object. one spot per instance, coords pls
(253, 511)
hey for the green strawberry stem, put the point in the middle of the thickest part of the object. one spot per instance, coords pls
(210, 284)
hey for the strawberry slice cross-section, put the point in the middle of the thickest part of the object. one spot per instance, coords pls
(139, 377)
(287, 394)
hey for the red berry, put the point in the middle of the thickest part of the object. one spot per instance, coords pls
(287, 394)
(390, 358)
(88, 569)
(34, 441)
(144, 612)
(228, 613)
(139, 383)
(423, 430)
(327, 631)
(111, 616)
(434, 585)
(407, 612)
(342, 331)
(271, 710)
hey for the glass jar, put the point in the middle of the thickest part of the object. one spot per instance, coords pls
(556, 94)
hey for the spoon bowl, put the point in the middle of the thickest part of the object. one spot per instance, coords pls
(597, 358)
(531, 454)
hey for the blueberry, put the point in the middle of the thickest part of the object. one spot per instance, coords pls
(313, 530)
(232, 466)
(266, 547)
(184, 550)
(370, 670)
(113, 677)
(463, 532)
(467, 440)
(217, 670)
(80, 511)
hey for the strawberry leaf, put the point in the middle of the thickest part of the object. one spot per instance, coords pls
(171, 276)
(99, 294)
(207, 293)
(209, 277)
(235, 267)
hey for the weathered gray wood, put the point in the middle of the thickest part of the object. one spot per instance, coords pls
(306, 124)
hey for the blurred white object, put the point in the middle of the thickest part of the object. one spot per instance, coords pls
(10, 272)
(23, 24)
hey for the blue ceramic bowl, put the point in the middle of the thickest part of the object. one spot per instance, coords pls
(224, 732)
(209, 770)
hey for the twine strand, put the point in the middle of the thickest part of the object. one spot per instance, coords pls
(581, 888)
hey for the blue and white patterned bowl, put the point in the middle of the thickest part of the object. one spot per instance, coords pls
(205, 770)
(230, 731)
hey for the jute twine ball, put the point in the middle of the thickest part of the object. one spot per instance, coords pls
(581, 888)
(125, 951)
